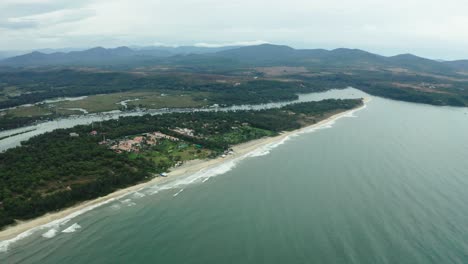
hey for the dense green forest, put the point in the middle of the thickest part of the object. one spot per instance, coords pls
(54, 170)
(8, 122)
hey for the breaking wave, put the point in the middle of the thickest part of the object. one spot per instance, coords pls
(4, 245)
(50, 234)
(266, 149)
(137, 195)
(181, 190)
(128, 202)
(115, 206)
(72, 228)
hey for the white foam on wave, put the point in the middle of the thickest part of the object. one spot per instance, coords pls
(50, 234)
(128, 202)
(115, 207)
(197, 177)
(64, 222)
(330, 123)
(72, 228)
(137, 195)
(4, 245)
(266, 149)
(181, 190)
(205, 174)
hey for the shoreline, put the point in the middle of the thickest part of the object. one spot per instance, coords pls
(25, 228)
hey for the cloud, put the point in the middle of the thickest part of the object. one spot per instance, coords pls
(236, 43)
(46, 19)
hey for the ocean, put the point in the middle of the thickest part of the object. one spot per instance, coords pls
(386, 184)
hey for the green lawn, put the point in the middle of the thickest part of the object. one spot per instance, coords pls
(169, 152)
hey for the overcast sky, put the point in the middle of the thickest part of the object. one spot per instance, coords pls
(430, 28)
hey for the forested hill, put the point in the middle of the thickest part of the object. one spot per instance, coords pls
(66, 166)
(100, 56)
(260, 55)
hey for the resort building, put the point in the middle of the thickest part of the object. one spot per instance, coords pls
(184, 131)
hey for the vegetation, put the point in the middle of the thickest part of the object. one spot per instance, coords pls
(159, 91)
(216, 73)
(55, 170)
(248, 75)
(409, 87)
(8, 122)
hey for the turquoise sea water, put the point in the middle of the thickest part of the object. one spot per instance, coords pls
(388, 184)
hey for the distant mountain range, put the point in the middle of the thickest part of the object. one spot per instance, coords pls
(260, 55)
(103, 56)
(268, 54)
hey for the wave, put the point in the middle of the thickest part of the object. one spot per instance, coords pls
(50, 234)
(115, 207)
(137, 195)
(4, 245)
(266, 149)
(128, 202)
(72, 228)
(197, 177)
(181, 190)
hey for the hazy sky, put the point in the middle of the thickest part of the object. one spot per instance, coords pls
(431, 28)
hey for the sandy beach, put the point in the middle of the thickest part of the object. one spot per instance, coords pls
(21, 229)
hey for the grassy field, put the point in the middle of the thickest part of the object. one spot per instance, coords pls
(157, 100)
(7, 91)
(109, 102)
(61, 111)
(95, 103)
(40, 110)
(10, 91)
(30, 111)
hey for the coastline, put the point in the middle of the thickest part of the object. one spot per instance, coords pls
(25, 228)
